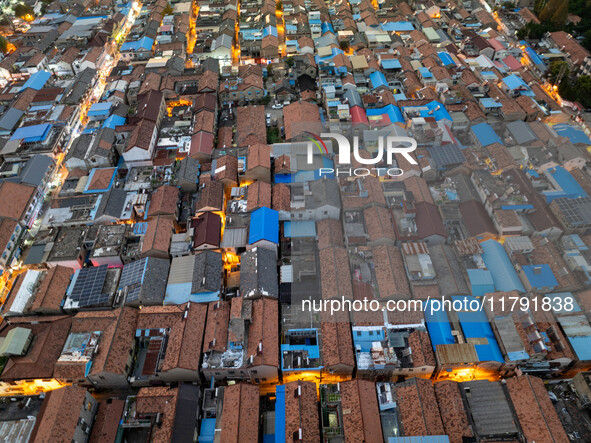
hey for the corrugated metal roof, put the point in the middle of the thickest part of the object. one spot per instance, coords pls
(15, 341)
(498, 263)
(456, 353)
(264, 225)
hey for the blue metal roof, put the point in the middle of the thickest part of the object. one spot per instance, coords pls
(425, 73)
(264, 225)
(534, 57)
(36, 81)
(516, 207)
(280, 414)
(540, 276)
(398, 27)
(481, 281)
(299, 229)
(270, 30)
(100, 109)
(563, 296)
(574, 134)
(326, 27)
(207, 430)
(432, 109)
(392, 111)
(502, 270)
(378, 80)
(391, 63)
(144, 43)
(513, 81)
(438, 326)
(475, 325)
(488, 102)
(445, 58)
(30, 134)
(570, 187)
(113, 121)
(485, 134)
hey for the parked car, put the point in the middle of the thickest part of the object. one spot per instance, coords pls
(277, 106)
(268, 119)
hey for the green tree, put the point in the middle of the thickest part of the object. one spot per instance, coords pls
(3, 44)
(289, 61)
(587, 40)
(558, 71)
(555, 12)
(21, 10)
(560, 15)
(583, 90)
(168, 10)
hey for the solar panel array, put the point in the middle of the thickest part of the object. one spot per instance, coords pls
(132, 277)
(88, 289)
(446, 155)
(577, 212)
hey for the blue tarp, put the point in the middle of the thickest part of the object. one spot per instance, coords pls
(502, 270)
(264, 225)
(485, 134)
(31, 134)
(36, 81)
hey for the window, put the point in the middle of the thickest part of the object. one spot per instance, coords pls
(358, 333)
(254, 372)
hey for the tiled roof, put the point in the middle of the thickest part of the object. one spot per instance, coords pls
(240, 414)
(15, 199)
(59, 415)
(362, 420)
